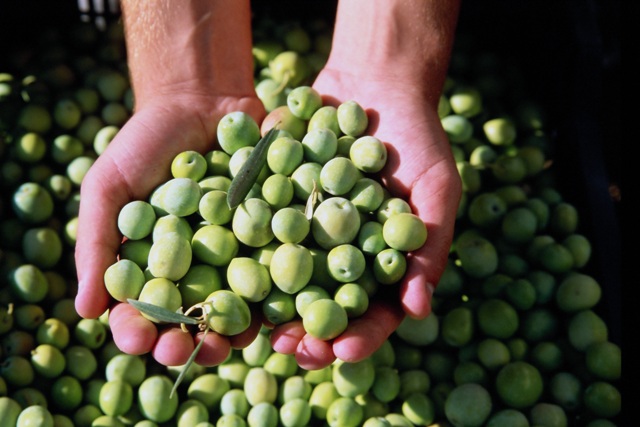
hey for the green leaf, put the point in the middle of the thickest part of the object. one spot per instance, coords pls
(186, 366)
(248, 173)
(161, 313)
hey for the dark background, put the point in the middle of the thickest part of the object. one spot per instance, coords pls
(570, 52)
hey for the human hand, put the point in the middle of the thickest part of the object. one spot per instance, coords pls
(135, 162)
(421, 169)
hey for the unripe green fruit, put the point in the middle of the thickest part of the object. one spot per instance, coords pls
(214, 209)
(290, 225)
(179, 196)
(353, 298)
(35, 415)
(214, 245)
(251, 223)
(29, 316)
(59, 186)
(78, 168)
(367, 195)
(17, 371)
(53, 331)
(294, 413)
(171, 223)
(10, 410)
(303, 101)
(369, 154)
(279, 306)
(236, 130)
(419, 332)
(28, 283)
(263, 414)
(325, 117)
(191, 412)
(200, 281)
(126, 367)
(477, 255)
(468, 405)
(519, 384)
(603, 399)
(136, 219)
(91, 333)
(32, 203)
(419, 409)
(154, 399)
(289, 68)
(458, 128)
(352, 118)
(260, 386)
(30, 147)
(391, 206)
(346, 263)
(325, 319)
(34, 117)
(124, 280)
(284, 155)
(116, 397)
(466, 101)
(271, 93)
(189, 164)
(291, 267)
(249, 279)
(335, 221)
(103, 138)
(304, 179)
(500, 131)
(67, 113)
(404, 232)
(228, 313)
(319, 145)
(161, 292)
(338, 176)
(170, 256)
(81, 361)
(234, 402)
(389, 266)
(66, 393)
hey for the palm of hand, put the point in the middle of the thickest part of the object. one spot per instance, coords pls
(420, 168)
(134, 163)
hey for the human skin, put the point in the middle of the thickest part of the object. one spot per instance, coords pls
(179, 58)
(392, 58)
(186, 75)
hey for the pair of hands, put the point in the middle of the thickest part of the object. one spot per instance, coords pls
(420, 167)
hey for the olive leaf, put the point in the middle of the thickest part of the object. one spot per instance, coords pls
(186, 366)
(248, 174)
(161, 313)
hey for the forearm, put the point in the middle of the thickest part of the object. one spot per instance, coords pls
(188, 47)
(409, 40)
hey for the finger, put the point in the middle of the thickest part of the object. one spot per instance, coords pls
(313, 353)
(367, 333)
(97, 242)
(132, 333)
(425, 266)
(214, 350)
(173, 347)
(286, 337)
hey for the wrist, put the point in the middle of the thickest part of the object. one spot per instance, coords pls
(193, 48)
(399, 40)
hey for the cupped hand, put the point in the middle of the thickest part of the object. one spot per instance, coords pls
(422, 170)
(136, 161)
